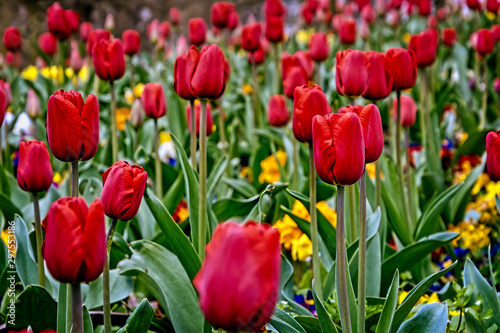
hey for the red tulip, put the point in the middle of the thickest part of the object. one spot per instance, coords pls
(250, 36)
(295, 76)
(234, 20)
(75, 240)
(175, 16)
(339, 148)
(424, 7)
(493, 155)
(474, 4)
(277, 111)
(48, 43)
(408, 110)
(258, 56)
(432, 22)
(403, 67)
(492, 6)
(164, 29)
(75, 60)
(425, 46)
(307, 103)
(274, 8)
(181, 81)
(94, 37)
(219, 13)
(62, 23)
(3, 106)
(496, 85)
(495, 32)
(449, 36)
(368, 14)
(123, 186)
(153, 100)
(371, 125)
(379, 84)
(307, 14)
(109, 59)
(131, 41)
(197, 111)
(318, 47)
(347, 33)
(306, 62)
(274, 29)
(197, 31)
(5, 87)
(153, 31)
(351, 73)
(72, 126)
(13, 59)
(482, 41)
(12, 39)
(207, 72)
(229, 299)
(85, 29)
(34, 172)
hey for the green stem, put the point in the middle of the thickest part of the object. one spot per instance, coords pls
(193, 135)
(105, 279)
(77, 308)
(255, 96)
(351, 232)
(392, 135)
(317, 74)
(408, 178)
(482, 120)
(158, 171)
(378, 183)
(114, 136)
(295, 175)
(362, 254)
(202, 227)
(277, 67)
(74, 179)
(132, 73)
(398, 157)
(341, 273)
(1, 149)
(39, 241)
(314, 224)
(96, 85)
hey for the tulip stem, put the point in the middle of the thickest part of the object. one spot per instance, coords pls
(105, 278)
(255, 96)
(398, 157)
(132, 72)
(192, 135)
(341, 264)
(378, 183)
(202, 227)
(1, 148)
(39, 241)
(77, 308)
(484, 109)
(314, 224)
(74, 179)
(158, 171)
(351, 234)
(277, 67)
(296, 162)
(114, 137)
(362, 254)
(408, 178)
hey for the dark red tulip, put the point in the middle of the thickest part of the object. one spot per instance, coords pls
(231, 300)
(181, 81)
(72, 126)
(123, 186)
(424, 7)
(164, 29)
(336, 22)
(347, 33)
(474, 4)
(109, 59)
(483, 42)
(495, 32)
(62, 23)
(48, 43)
(306, 62)
(131, 41)
(493, 155)
(368, 14)
(425, 46)
(250, 36)
(379, 84)
(307, 103)
(277, 111)
(174, 15)
(219, 13)
(197, 111)
(5, 87)
(318, 47)
(449, 36)
(258, 56)
(274, 29)
(403, 67)
(153, 100)
(13, 59)
(34, 171)
(496, 85)
(371, 125)
(351, 73)
(94, 37)
(432, 22)
(75, 240)
(307, 14)
(12, 39)
(492, 6)
(362, 4)
(408, 110)
(234, 20)
(339, 148)
(85, 29)
(274, 8)
(3, 106)
(295, 76)
(197, 31)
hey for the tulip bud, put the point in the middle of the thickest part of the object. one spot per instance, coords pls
(495, 32)
(274, 8)
(5, 87)
(164, 29)
(318, 47)
(234, 20)
(75, 60)
(34, 171)
(136, 117)
(339, 148)
(219, 13)
(197, 31)
(48, 43)
(12, 39)
(3, 106)
(305, 61)
(496, 85)
(449, 36)
(258, 56)
(250, 36)
(295, 76)
(274, 29)
(482, 41)
(62, 23)
(13, 59)
(94, 37)
(351, 73)
(307, 14)
(182, 84)
(153, 100)
(75, 240)
(109, 22)
(277, 111)
(85, 29)
(403, 67)
(32, 104)
(492, 6)
(229, 299)
(424, 7)
(379, 84)
(493, 155)
(153, 31)
(347, 34)
(474, 5)
(131, 42)
(425, 46)
(197, 112)
(174, 16)
(109, 59)
(368, 14)
(307, 103)
(408, 110)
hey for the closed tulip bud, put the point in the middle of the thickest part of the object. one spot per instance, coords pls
(318, 47)
(277, 111)
(229, 299)
(482, 41)
(295, 76)
(131, 41)
(424, 7)
(153, 31)
(351, 73)
(379, 84)
(85, 29)
(109, 59)
(274, 29)
(5, 87)
(234, 20)
(13, 59)
(403, 67)
(496, 85)
(123, 186)
(368, 14)
(3, 106)
(34, 172)
(274, 8)
(449, 36)
(182, 46)
(306, 62)
(72, 126)
(493, 155)
(495, 32)
(339, 148)
(371, 125)
(347, 33)
(425, 46)
(336, 22)
(474, 5)
(250, 36)
(492, 6)
(12, 39)
(164, 29)
(109, 22)
(219, 13)
(408, 110)
(207, 72)
(75, 60)
(48, 43)
(307, 103)
(75, 240)
(182, 84)
(32, 104)
(307, 14)
(94, 37)
(136, 118)
(258, 56)
(62, 23)
(197, 31)
(153, 100)
(174, 15)
(197, 111)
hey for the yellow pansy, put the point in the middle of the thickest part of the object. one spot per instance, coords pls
(122, 114)
(472, 235)
(433, 298)
(55, 73)
(138, 89)
(30, 73)
(270, 169)
(83, 74)
(329, 213)
(302, 248)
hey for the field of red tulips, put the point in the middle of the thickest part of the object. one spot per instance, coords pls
(323, 167)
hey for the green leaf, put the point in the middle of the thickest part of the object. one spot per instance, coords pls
(475, 144)
(213, 181)
(241, 186)
(26, 266)
(227, 208)
(282, 326)
(61, 308)
(458, 199)
(8, 208)
(472, 324)
(325, 321)
(120, 288)
(140, 319)
(387, 315)
(87, 321)
(430, 318)
(395, 219)
(282, 315)
(310, 324)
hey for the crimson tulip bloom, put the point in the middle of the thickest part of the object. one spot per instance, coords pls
(368, 14)
(250, 36)
(339, 148)
(94, 37)
(492, 6)
(13, 59)
(318, 47)
(181, 81)
(131, 42)
(123, 186)
(48, 43)
(408, 110)
(274, 29)
(306, 62)
(258, 56)
(12, 39)
(371, 125)
(351, 73)
(449, 36)
(277, 111)
(493, 155)
(234, 20)
(274, 8)
(307, 103)
(72, 126)
(174, 15)
(75, 240)
(197, 31)
(424, 7)
(62, 23)
(164, 29)
(347, 33)
(474, 4)
(85, 29)
(219, 13)
(403, 67)
(295, 76)
(425, 46)
(495, 32)
(109, 59)
(3, 106)
(229, 299)
(483, 42)
(197, 110)
(153, 100)
(379, 84)
(307, 14)
(34, 172)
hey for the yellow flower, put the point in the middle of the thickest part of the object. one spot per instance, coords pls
(302, 248)
(454, 313)
(55, 73)
(122, 115)
(270, 169)
(129, 96)
(289, 231)
(165, 137)
(473, 235)
(480, 182)
(330, 214)
(83, 74)
(57, 178)
(138, 89)
(406, 38)
(433, 298)
(402, 296)
(246, 172)
(69, 72)
(247, 89)
(462, 137)
(490, 16)
(5, 237)
(30, 73)
(302, 36)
